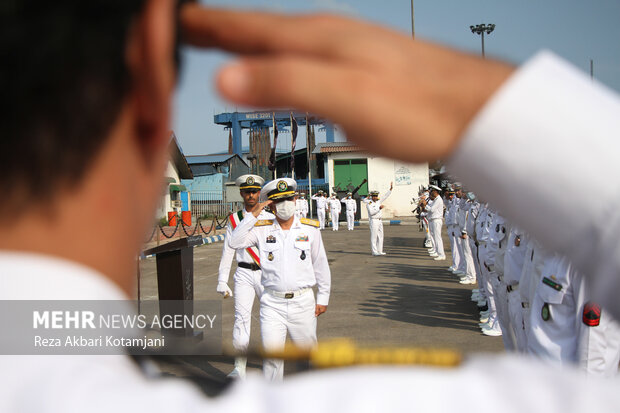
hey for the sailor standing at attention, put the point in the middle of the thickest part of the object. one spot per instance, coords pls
(351, 206)
(293, 260)
(247, 276)
(321, 203)
(304, 205)
(335, 207)
(434, 207)
(374, 206)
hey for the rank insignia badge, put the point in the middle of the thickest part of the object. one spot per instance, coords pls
(270, 239)
(545, 313)
(270, 256)
(591, 314)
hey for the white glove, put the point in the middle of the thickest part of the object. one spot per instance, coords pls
(224, 289)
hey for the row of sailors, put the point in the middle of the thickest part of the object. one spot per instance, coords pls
(331, 204)
(536, 300)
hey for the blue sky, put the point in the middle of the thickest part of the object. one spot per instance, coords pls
(576, 30)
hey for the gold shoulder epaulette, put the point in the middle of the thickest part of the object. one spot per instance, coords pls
(263, 222)
(311, 222)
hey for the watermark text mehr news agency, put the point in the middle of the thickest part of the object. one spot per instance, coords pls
(89, 320)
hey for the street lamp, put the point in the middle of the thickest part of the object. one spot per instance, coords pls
(481, 29)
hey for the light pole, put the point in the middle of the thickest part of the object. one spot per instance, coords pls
(412, 22)
(481, 29)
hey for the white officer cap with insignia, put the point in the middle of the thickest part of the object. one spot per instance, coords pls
(434, 187)
(249, 181)
(281, 188)
(374, 193)
(349, 193)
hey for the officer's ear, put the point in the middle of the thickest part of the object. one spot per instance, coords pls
(150, 59)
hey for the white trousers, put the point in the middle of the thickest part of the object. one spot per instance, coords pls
(453, 233)
(492, 287)
(503, 315)
(429, 235)
(435, 227)
(321, 215)
(376, 236)
(468, 258)
(334, 216)
(350, 220)
(247, 286)
(482, 274)
(279, 316)
(515, 310)
(474, 255)
(461, 248)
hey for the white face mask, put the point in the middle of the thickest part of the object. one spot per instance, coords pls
(285, 210)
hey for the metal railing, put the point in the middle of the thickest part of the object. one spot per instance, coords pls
(212, 203)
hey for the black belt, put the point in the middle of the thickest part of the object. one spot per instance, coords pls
(247, 265)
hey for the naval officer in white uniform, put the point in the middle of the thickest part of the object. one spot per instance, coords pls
(374, 206)
(351, 206)
(434, 208)
(321, 204)
(247, 276)
(293, 260)
(334, 207)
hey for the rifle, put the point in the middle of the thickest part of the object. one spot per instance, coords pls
(358, 187)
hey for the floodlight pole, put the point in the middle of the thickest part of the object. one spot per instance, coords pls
(481, 29)
(412, 22)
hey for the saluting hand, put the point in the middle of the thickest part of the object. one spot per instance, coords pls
(258, 208)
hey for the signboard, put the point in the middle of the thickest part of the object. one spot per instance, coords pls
(402, 174)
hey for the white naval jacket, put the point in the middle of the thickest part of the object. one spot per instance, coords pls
(374, 208)
(350, 204)
(290, 260)
(434, 207)
(334, 205)
(241, 254)
(321, 201)
(451, 206)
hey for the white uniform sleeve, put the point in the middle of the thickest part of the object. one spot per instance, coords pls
(322, 272)
(385, 196)
(243, 236)
(539, 139)
(373, 209)
(227, 257)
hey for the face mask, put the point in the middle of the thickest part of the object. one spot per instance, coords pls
(285, 210)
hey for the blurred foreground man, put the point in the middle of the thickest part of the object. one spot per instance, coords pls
(293, 260)
(93, 127)
(247, 277)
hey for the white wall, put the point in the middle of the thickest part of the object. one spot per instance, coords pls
(164, 205)
(382, 171)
